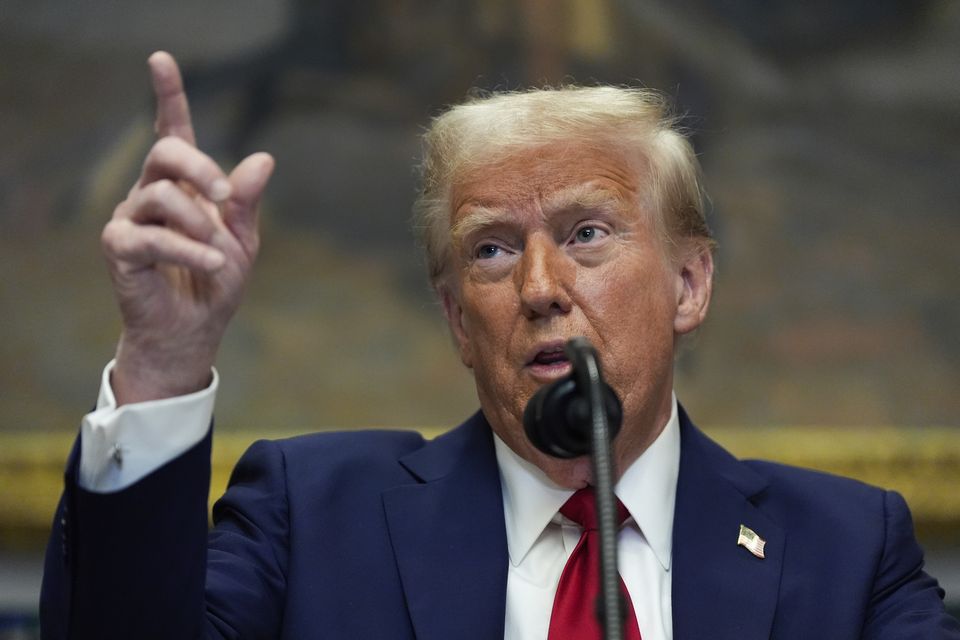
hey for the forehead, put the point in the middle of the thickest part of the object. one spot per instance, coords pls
(546, 173)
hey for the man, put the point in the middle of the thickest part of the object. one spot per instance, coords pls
(546, 215)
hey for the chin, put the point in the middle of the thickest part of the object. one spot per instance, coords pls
(574, 473)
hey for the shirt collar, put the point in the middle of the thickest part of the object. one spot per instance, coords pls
(648, 488)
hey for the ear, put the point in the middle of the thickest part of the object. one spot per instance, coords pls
(694, 288)
(454, 315)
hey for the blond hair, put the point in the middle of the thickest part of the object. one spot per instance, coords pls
(487, 129)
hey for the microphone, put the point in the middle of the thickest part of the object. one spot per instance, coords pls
(573, 416)
(558, 418)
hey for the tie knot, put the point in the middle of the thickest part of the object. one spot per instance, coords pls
(581, 508)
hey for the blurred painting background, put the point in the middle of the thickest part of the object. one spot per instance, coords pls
(829, 133)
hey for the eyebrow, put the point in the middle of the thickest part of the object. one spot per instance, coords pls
(581, 196)
(478, 218)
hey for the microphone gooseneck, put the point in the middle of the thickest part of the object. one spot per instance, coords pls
(571, 417)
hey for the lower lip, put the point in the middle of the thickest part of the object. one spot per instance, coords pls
(550, 371)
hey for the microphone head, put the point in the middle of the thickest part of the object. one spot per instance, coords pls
(557, 418)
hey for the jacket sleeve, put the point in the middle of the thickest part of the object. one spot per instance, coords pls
(906, 602)
(136, 563)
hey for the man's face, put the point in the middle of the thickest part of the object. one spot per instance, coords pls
(555, 243)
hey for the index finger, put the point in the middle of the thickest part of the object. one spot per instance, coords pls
(173, 111)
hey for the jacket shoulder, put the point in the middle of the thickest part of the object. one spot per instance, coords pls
(803, 481)
(352, 446)
(336, 458)
(807, 498)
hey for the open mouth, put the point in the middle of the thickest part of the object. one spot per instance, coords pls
(548, 361)
(550, 357)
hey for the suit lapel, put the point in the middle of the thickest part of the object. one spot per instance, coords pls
(449, 537)
(720, 589)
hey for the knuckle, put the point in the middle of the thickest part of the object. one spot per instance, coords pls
(122, 210)
(202, 168)
(108, 237)
(114, 239)
(157, 151)
(168, 143)
(165, 151)
(161, 191)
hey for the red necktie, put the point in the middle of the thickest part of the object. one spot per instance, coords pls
(574, 606)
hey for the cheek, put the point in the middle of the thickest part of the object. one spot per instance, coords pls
(487, 313)
(628, 291)
(632, 309)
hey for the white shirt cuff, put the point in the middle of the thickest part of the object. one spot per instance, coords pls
(121, 445)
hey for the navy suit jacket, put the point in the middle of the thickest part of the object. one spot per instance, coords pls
(384, 535)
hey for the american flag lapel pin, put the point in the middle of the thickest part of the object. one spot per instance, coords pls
(750, 541)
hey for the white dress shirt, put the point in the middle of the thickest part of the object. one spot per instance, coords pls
(119, 446)
(539, 539)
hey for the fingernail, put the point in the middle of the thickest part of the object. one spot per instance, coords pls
(220, 190)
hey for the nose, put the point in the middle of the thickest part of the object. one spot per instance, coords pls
(544, 276)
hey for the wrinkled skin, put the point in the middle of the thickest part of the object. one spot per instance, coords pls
(555, 243)
(179, 249)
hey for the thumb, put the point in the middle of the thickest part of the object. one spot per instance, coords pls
(249, 180)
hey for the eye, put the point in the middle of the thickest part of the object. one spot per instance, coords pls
(487, 251)
(588, 233)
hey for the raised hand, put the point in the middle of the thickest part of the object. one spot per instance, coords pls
(179, 249)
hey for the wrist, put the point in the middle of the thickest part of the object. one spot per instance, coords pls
(147, 372)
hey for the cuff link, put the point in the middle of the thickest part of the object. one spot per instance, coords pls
(117, 454)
